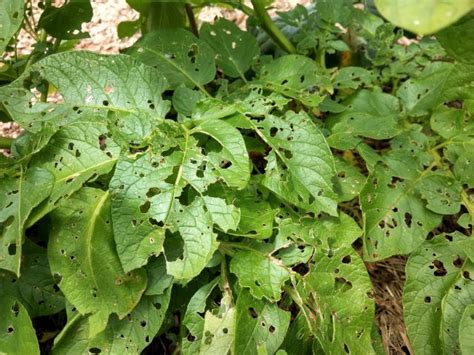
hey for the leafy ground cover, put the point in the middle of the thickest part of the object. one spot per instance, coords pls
(214, 190)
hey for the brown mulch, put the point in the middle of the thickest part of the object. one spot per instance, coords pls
(388, 277)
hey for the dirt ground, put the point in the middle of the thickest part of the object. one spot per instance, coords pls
(388, 277)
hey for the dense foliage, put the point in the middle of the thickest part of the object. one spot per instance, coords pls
(223, 193)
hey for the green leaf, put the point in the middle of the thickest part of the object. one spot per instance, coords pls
(466, 330)
(442, 193)
(194, 226)
(396, 220)
(129, 335)
(301, 167)
(437, 291)
(11, 18)
(77, 153)
(17, 335)
(259, 323)
(423, 16)
(65, 22)
(453, 39)
(224, 215)
(256, 217)
(235, 49)
(263, 274)
(20, 194)
(82, 252)
(193, 318)
(178, 55)
(341, 288)
(92, 85)
(158, 280)
(368, 114)
(36, 288)
(233, 152)
(297, 77)
(423, 93)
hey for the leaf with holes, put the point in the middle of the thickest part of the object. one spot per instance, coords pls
(20, 194)
(91, 85)
(259, 325)
(81, 251)
(438, 289)
(396, 220)
(77, 153)
(17, 332)
(178, 55)
(340, 286)
(367, 114)
(11, 18)
(297, 77)
(76, 12)
(131, 334)
(301, 167)
(263, 274)
(36, 289)
(235, 49)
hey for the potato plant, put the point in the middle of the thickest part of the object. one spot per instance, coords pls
(212, 190)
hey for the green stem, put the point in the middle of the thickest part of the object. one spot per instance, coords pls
(192, 19)
(6, 142)
(269, 27)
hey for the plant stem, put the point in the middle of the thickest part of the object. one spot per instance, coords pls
(192, 19)
(270, 28)
(6, 142)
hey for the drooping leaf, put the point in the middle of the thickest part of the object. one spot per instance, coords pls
(263, 274)
(65, 22)
(424, 16)
(194, 321)
(17, 335)
(235, 49)
(36, 289)
(19, 195)
(178, 55)
(437, 292)
(297, 77)
(341, 288)
(82, 252)
(128, 335)
(11, 18)
(259, 325)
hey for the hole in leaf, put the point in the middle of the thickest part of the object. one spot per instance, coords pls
(440, 269)
(253, 313)
(427, 299)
